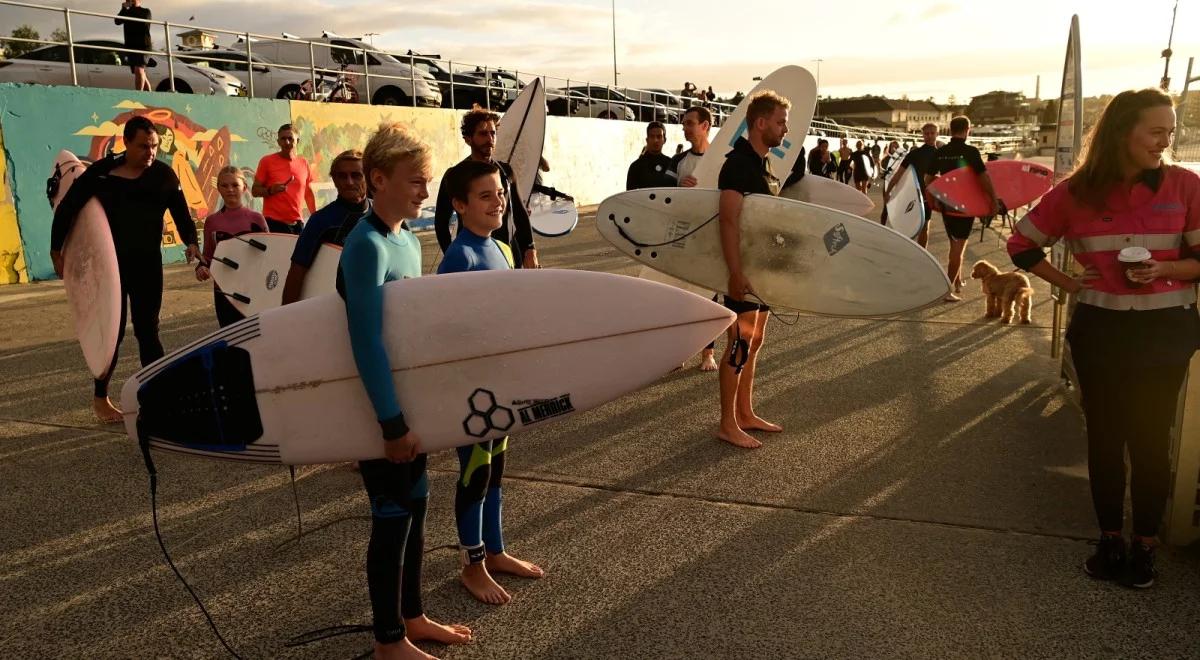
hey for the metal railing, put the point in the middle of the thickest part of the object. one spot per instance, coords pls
(389, 78)
(1187, 119)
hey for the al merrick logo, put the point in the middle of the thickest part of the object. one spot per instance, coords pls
(543, 409)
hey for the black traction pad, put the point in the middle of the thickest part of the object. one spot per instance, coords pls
(203, 400)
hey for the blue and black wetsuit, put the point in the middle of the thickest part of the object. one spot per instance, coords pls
(398, 492)
(477, 497)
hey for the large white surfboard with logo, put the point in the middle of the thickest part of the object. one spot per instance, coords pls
(261, 391)
(796, 255)
(795, 84)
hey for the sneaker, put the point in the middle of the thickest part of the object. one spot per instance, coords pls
(1109, 560)
(1140, 573)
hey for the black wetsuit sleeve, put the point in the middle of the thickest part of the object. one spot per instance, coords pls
(631, 182)
(177, 204)
(524, 231)
(68, 209)
(975, 160)
(441, 215)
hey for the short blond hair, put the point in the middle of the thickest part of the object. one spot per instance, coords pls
(235, 171)
(764, 104)
(391, 144)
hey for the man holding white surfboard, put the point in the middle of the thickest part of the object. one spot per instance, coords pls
(378, 250)
(479, 132)
(697, 122)
(747, 170)
(135, 189)
(921, 160)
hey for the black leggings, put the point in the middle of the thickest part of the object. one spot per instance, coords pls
(141, 298)
(399, 494)
(1131, 404)
(226, 313)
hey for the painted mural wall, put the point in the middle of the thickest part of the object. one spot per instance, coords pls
(588, 157)
(199, 136)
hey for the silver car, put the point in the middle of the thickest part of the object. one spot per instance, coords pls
(271, 81)
(97, 66)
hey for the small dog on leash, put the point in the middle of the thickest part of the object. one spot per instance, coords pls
(1004, 291)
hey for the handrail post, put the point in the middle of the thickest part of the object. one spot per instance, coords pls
(412, 80)
(312, 67)
(250, 67)
(170, 56)
(487, 89)
(367, 75)
(70, 47)
(450, 65)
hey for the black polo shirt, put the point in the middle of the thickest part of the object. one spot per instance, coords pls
(747, 172)
(957, 153)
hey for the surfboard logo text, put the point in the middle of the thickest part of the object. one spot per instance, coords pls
(545, 409)
(836, 239)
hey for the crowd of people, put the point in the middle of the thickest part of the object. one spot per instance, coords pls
(1133, 324)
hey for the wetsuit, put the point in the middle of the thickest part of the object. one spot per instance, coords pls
(746, 172)
(135, 210)
(331, 224)
(477, 497)
(949, 157)
(220, 226)
(650, 171)
(398, 492)
(921, 159)
(515, 223)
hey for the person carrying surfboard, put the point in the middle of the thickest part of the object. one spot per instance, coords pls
(135, 189)
(479, 198)
(861, 172)
(697, 122)
(233, 219)
(1132, 220)
(921, 160)
(380, 249)
(332, 222)
(746, 171)
(478, 130)
(951, 156)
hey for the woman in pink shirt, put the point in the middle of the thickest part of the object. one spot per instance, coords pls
(233, 219)
(1135, 326)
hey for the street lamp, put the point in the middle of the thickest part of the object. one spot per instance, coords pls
(614, 31)
(817, 110)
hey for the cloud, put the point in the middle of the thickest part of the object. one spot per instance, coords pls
(106, 129)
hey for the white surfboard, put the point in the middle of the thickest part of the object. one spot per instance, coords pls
(252, 268)
(521, 134)
(906, 207)
(829, 193)
(893, 166)
(552, 217)
(796, 255)
(91, 276)
(260, 391)
(795, 84)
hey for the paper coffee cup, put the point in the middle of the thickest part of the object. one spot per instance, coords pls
(1132, 258)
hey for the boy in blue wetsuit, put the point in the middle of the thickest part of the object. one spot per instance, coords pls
(479, 197)
(378, 250)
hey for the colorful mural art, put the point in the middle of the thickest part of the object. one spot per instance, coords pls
(12, 257)
(200, 135)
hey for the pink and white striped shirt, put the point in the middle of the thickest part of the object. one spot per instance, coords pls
(1161, 213)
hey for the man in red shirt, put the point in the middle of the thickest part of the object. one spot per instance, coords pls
(283, 180)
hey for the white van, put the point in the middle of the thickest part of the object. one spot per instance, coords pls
(397, 84)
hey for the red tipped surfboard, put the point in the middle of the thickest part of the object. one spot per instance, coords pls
(1017, 183)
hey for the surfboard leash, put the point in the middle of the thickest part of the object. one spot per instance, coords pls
(144, 445)
(613, 218)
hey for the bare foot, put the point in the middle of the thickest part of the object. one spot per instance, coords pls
(401, 650)
(738, 438)
(950, 297)
(476, 579)
(423, 628)
(105, 411)
(756, 423)
(708, 362)
(506, 563)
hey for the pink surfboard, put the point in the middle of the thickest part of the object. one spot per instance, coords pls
(90, 274)
(1017, 183)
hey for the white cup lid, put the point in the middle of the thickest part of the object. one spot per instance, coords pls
(1134, 255)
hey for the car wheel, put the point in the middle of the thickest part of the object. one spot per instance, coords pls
(289, 93)
(608, 114)
(390, 96)
(180, 87)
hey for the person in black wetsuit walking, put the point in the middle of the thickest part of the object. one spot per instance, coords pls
(135, 189)
(137, 37)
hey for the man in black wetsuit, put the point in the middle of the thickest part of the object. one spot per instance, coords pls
(137, 37)
(652, 169)
(479, 132)
(921, 159)
(135, 189)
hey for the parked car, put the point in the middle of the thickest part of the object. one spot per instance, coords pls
(674, 103)
(643, 111)
(575, 103)
(97, 66)
(468, 86)
(397, 83)
(271, 81)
